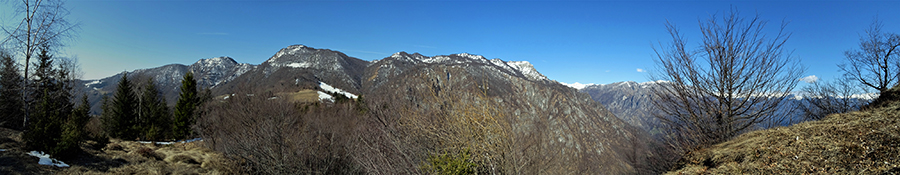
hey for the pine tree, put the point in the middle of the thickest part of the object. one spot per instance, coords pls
(120, 113)
(44, 131)
(12, 111)
(185, 108)
(155, 119)
(73, 132)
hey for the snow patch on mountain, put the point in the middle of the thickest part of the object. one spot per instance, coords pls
(298, 65)
(92, 83)
(577, 85)
(437, 59)
(526, 69)
(329, 88)
(325, 96)
(650, 83)
(472, 57)
(501, 64)
(242, 68)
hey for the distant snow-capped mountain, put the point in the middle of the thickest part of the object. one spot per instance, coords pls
(633, 102)
(577, 85)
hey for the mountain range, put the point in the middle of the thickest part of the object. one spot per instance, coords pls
(582, 130)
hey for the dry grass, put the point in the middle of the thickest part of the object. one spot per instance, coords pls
(117, 157)
(862, 142)
(302, 96)
(139, 158)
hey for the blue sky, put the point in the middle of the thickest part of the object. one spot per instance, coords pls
(568, 41)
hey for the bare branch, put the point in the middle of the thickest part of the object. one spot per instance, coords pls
(876, 63)
(736, 79)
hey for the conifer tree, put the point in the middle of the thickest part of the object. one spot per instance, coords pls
(185, 108)
(120, 113)
(73, 132)
(12, 111)
(155, 119)
(44, 128)
(44, 131)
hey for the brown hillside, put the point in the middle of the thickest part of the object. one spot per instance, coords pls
(861, 142)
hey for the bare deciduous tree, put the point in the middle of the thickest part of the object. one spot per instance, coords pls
(876, 63)
(737, 78)
(823, 98)
(43, 25)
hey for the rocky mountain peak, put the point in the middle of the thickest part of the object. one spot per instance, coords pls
(300, 56)
(401, 61)
(220, 62)
(290, 50)
(470, 56)
(527, 69)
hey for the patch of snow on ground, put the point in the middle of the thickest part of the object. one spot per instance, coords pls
(46, 160)
(169, 143)
(331, 89)
(577, 85)
(324, 96)
(2, 149)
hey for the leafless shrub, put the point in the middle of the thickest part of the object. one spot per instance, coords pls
(274, 136)
(823, 98)
(94, 128)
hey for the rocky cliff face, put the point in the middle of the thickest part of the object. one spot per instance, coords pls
(630, 101)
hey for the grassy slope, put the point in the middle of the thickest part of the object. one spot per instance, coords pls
(861, 142)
